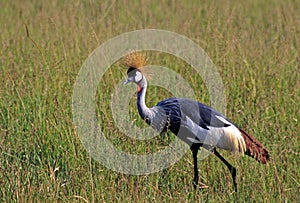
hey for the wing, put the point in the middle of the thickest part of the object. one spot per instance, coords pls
(194, 122)
(173, 111)
(202, 115)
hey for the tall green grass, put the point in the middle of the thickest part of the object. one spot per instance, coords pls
(254, 44)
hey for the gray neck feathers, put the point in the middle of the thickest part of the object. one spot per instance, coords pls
(155, 116)
(144, 111)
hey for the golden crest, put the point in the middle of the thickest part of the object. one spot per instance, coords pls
(135, 60)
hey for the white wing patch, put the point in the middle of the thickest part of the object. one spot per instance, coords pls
(228, 138)
(224, 120)
(232, 140)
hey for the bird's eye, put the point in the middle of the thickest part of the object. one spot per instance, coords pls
(138, 76)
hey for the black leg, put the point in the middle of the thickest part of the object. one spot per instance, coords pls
(230, 167)
(196, 176)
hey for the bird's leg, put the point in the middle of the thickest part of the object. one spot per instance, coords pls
(230, 167)
(196, 176)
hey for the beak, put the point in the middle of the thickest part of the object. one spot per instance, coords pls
(129, 80)
(126, 82)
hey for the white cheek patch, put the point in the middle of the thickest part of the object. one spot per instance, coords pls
(138, 77)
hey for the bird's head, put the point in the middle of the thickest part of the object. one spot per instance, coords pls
(134, 75)
(135, 62)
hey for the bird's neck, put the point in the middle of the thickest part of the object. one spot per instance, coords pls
(144, 111)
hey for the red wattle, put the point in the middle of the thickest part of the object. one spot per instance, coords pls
(139, 88)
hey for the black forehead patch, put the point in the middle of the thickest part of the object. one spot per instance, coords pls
(131, 69)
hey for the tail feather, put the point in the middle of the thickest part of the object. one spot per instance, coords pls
(254, 148)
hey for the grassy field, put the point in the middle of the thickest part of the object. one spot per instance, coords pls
(254, 44)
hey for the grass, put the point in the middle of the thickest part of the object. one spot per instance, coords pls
(254, 44)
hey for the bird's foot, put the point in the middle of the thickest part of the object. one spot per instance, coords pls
(232, 192)
(200, 186)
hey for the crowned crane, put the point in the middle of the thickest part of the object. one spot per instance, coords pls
(194, 123)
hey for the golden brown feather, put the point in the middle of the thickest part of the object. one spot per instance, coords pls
(135, 60)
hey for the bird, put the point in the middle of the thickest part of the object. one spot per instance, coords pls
(196, 124)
